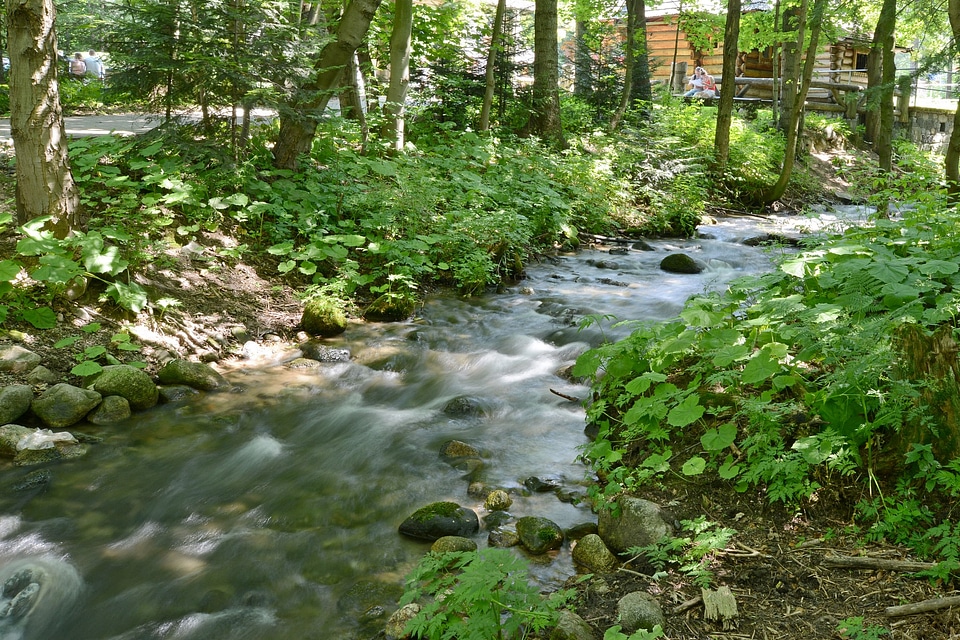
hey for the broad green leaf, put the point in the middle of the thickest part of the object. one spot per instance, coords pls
(41, 317)
(92, 327)
(9, 270)
(896, 295)
(687, 412)
(66, 342)
(129, 296)
(350, 240)
(760, 367)
(282, 249)
(659, 462)
(308, 268)
(694, 466)
(699, 317)
(719, 438)
(932, 267)
(86, 368)
(726, 355)
(642, 383)
(287, 266)
(889, 272)
(728, 470)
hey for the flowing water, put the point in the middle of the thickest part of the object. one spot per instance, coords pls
(254, 513)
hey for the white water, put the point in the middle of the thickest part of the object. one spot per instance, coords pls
(251, 514)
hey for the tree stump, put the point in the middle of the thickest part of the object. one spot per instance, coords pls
(931, 360)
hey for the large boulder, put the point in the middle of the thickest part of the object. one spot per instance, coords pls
(593, 555)
(448, 544)
(127, 382)
(681, 263)
(440, 519)
(323, 317)
(193, 374)
(113, 409)
(14, 402)
(16, 359)
(638, 524)
(317, 350)
(539, 535)
(639, 610)
(36, 446)
(63, 405)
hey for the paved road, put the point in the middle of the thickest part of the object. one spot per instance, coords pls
(128, 124)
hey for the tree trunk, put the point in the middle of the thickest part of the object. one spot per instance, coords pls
(400, 47)
(883, 42)
(792, 26)
(45, 185)
(490, 79)
(545, 117)
(731, 35)
(794, 126)
(629, 57)
(641, 90)
(298, 120)
(951, 165)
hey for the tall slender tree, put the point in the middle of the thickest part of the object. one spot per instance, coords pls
(490, 80)
(45, 185)
(951, 163)
(401, 45)
(731, 37)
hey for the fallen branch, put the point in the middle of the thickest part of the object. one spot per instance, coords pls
(923, 606)
(857, 562)
(565, 396)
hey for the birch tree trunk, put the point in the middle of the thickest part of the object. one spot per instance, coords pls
(45, 185)
(401, 45)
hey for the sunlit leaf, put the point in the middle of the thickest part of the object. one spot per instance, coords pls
(687, 412)
(719, 438)
(41, 318)
(694, 466)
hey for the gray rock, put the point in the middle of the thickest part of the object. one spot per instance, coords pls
(496, 519)
(127, 382)
(453, 543)
(539, 535)
(176, 392)
(59, 451)
(14, 402)
(10, 435)
(37, 479)
(639, 610)
(63, 405)
(440, 519)
(41, 375)
(681, 263)
(593, 555)
(640, 523)
(323, 317)
(365, 595)
(111, 410)
(503, 538)
(16, 359)
(643, 245)
(497, 500)
(193, 374)
(578, 531)
(570, 626)
(398, 621)
(465, 407)
(545, 484)
(316, 350)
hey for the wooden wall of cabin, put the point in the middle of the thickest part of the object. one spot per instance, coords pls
(662, 41)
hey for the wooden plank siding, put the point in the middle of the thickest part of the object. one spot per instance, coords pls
(836, 62)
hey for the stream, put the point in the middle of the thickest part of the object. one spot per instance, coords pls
(255, 513)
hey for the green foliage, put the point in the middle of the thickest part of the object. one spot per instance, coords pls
(752, 366)
(614, 633)
(694, 555)
(90, 357)
(478, 596)
(855, 629)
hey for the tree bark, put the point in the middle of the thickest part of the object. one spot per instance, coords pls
(640, 90)
(884, 40)
(792, 24)
(731, 35)
(401, 46)
(628, 62)
(45, 185)
(545, 117)
(490, 79)
(298, 120)
(951, 164)
(794, 124)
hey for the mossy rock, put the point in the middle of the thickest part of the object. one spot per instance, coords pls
(127, 382)
(390, 308)
(440, 519)
(539, 535)
(681, 263)
(324, 317)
